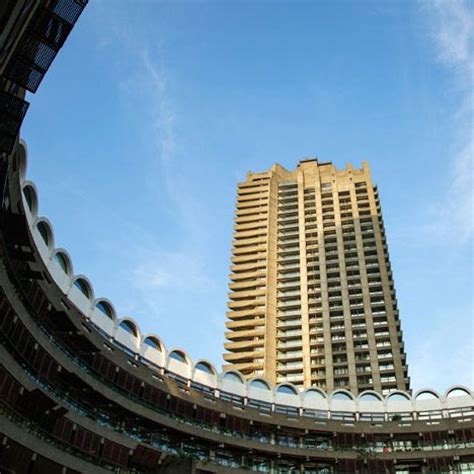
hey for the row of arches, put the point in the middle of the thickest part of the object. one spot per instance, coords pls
(126, 333)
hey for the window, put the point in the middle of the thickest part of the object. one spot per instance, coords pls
(105, 309)
(61, 260)
(129, 327)
(44, 232)
(341, 396)
(153, 343)
(30, 198)
(259, 384)
(177, 355)
(204, 367)
(233, 377)
(83, 287)
(288, 389)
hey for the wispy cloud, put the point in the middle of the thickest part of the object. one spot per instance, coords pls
(146, 85)
(451, 30)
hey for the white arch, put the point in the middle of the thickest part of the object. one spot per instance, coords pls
(426, 404)
(458, 399)
(229, 384)
(400, 393)
(284, 398)
(256, 391)
(132, 324)
(235, 372)
(77, 296)
(206, 363)
(103, 321)
(45, 248)
(312, 402)
(347, 404)
(434, 394)
(60, 268)
(461, 388)
(157, 340)
(88, 285)
(131, 340)
(30, 188)
(293, 389)
(369, 401)
(399, 401)
(65, 254)
(347, 395)
(210, 378)
(156, 356)
(180, 367)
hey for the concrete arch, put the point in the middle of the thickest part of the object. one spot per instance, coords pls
(427, 399)
(84, 285)
(280, 388)
(397, 395)
(456, 388)
(346, 395)
(106, 308)
(399, 401)
(205, 373)
(157, 344)
(182, 356)
(129, 324)
(259, 383)
(342, 401)
(370, 401)
(30, 199)
(205, 366)
(232, 375)
(60, 268)
(232, 381)
(81, 294)
(153, 350)
(43, 236)
(128, 334)
(370, 395)
(63, 254)
(104, 316)
(321, 394)
(286, 394)
(179, 362)
(427, 391)
(43, 223)
(260, 389)
(314, 398)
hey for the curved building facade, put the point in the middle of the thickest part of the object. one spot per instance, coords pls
(84, 390)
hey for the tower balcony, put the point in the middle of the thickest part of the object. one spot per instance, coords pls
(248, 333)
(250, 324)
(239, 356)
(245, 313)
(237, 345)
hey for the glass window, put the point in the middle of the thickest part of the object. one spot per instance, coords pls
(83, 287)
(152, 342)
(204, 367)
(105, 309)
(177, 355)
(232, 377)
(44, 232)
(128, 327)
(61, 260)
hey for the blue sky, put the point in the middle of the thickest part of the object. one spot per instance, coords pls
(153, 111)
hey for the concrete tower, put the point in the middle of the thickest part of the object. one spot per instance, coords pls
(312, 300)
